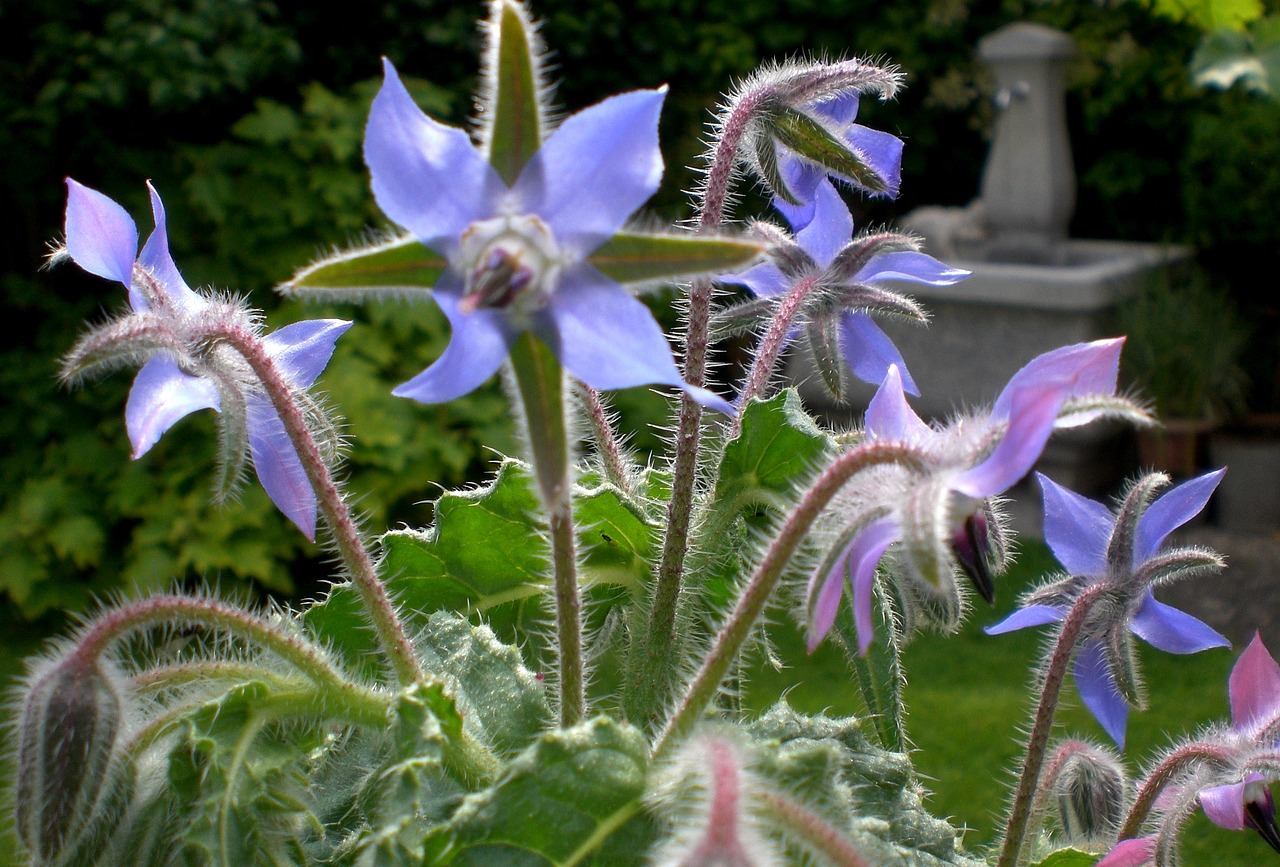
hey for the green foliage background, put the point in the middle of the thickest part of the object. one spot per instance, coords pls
(248, 116)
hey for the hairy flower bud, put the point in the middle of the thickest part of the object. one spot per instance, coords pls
(1090, 788)
(71, 722)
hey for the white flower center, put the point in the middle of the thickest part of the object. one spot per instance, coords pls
(509, 262)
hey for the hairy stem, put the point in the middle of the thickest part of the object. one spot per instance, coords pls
(816, 833)
(771, 344)
(1050, 689)
(612, 458)
(1169, 768)
(733, 635)
(540, 381)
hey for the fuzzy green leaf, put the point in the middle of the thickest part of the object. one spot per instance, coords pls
(572, 798)
(401, 263)
(1068, 858)
(516, 132)
(813, 141)
(633, 257)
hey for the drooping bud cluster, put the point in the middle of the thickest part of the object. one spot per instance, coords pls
(1089, 786)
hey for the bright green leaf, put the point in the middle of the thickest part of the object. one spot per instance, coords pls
(1068, 858)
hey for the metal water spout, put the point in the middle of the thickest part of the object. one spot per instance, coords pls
(1028, 186)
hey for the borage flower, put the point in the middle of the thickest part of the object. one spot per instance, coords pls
(1123, 552)
(517, 256)
(843, 283)
(173, 332)
(942, 508)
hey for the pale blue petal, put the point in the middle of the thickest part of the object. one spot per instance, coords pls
(869, 352)
(912, 267)
(1224, 805)
(480, 342)
(830, 228)
(1254, 688)
(101, 236)
(803, 180)
(890, 417)
(162, 395)
(302, 349)
(595, 170)
(426, 176)
(279, 469)
(882, 151)
(1076, 528)
(1098, 691)
(1171, 630)
(1082, 368)
(842, 109)
(1171, 510)
(1032, 414)
(155, 257)
(1023, 618)
(856, 564)
(761, 280)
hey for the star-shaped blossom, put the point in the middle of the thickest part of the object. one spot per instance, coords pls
(941, 508)
(1125, 552)
(518, 255)
(179, 374)
(848, 280)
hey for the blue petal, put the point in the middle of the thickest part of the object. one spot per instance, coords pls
(427, 177)
(155, 256)
(480, 342)
(858, 564)
(912, 267)
(1171, 510)
(595, 170)
(803, 180)
(1023, 618)
(101, 236)
(162, 395)
(830, 228)
(276, 462)
(1085, 368)
(869, 352)
(1032, 415)
(1171, 630)
(1076, 528)
(762, 280)
(890, 417)
(882, 151)
(1098, 691)
(842, 109)
(302, 349)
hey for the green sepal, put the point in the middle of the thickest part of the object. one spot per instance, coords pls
(635, 257)
(768, 163)
(400, 264)
(879, 674)
(572, 798)
(813, 141)
(514, 120)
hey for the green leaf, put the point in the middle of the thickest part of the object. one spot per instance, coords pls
(814, 142)
(1068, 858)
(633, 257)
(572, 798)
(1211, 14)
(402, 263)
(515, 115)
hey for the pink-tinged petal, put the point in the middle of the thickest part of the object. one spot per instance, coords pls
(1224, 805)
(480, 342)
(101, 236)
(911, 267)
(1076, 528)
(1137, 852)
(830, 228)
(162, 395)
(858, 565)
(882, 151)
(761, 280)
(1033, 411)
(1098, 691)
(1171, 510)
(870, 353)
(595, 170)
(603, 335)
(1254, 688)
(1085, 368)
(155, 257)
(1173, 631)
(825, 591)
(1032, 615)
(426, 176)
(890, 417)
(278, 467)
(302, 349)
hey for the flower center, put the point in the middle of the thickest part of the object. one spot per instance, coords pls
(508, 263)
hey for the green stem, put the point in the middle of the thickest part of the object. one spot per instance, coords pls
(1038, 742)
(540, 381)
(733, 635)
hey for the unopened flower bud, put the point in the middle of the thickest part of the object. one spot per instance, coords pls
(1090, 788)
(67, 735)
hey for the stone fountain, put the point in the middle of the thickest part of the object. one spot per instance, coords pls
(1033, 288)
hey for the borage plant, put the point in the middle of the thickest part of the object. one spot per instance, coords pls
(548, 675)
